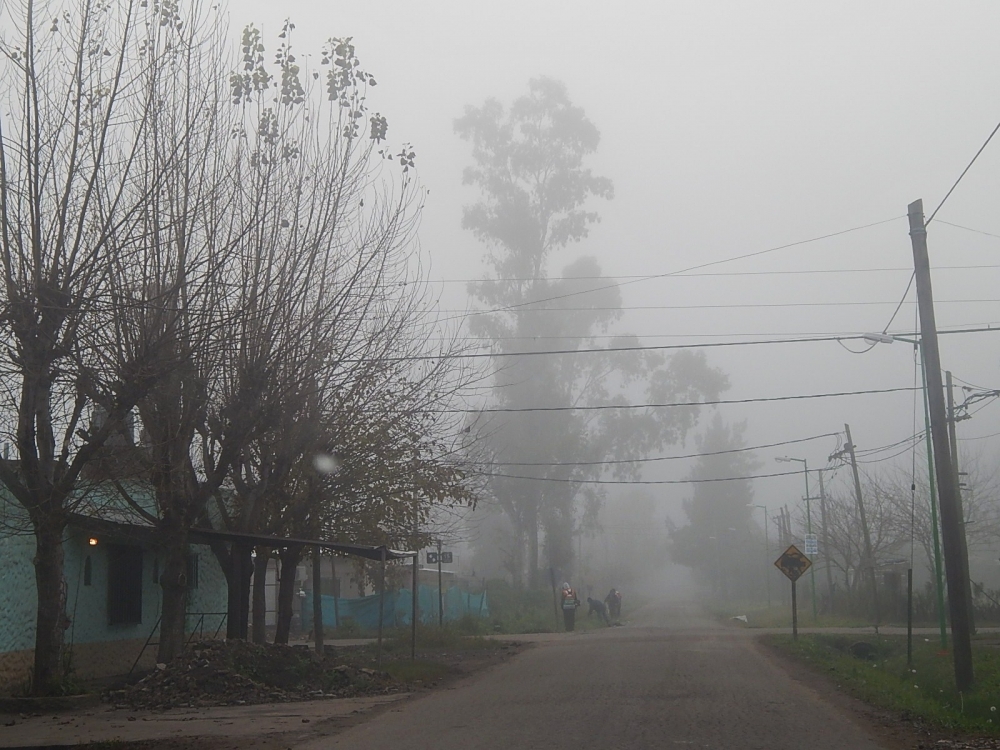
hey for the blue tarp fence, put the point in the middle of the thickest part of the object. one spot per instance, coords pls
(399, 607)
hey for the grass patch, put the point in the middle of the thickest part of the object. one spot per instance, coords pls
(875, 670)
(450, 638)
(781, 617)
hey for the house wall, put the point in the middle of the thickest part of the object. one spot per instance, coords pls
(94, 647)
(17, 608)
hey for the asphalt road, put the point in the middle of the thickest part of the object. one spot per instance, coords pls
(672, 680)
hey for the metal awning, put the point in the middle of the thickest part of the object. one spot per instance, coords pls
(361, 550)
(149, 533)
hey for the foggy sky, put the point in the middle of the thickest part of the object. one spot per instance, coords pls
(729, 128)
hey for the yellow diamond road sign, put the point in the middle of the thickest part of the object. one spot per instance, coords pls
(793, 563)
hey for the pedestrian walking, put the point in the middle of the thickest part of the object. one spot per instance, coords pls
(570, 602)
(614, 602)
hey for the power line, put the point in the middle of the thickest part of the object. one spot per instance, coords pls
(676, 404)
(641, 481)
(981, 437)
(907, 449)
(664, 458)
(618, 336)
(735, 306)
(967, 229)
(680, 275)
(948, 194)
(909, 285)
(692, 268)
(657, 347)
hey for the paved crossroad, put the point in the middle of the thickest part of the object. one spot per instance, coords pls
(675, 680)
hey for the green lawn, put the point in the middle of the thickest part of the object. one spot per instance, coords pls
(878, 674)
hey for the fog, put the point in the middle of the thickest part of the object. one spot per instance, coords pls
(728, 129)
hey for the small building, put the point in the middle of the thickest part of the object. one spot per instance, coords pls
(112, 594)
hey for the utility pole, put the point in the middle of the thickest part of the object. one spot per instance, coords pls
(953, 437)
(767, 555)
(317, 597)
(932, 492)
(826, 540)
(440, 591)
(870, 558)
(951, 522)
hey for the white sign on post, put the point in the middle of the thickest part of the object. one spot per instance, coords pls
(811, 545)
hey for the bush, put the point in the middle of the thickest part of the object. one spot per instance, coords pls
(520, 610)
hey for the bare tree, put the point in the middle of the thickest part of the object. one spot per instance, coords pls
(83, 82)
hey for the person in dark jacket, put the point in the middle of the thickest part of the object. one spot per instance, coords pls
(596, 605)
(614, 602)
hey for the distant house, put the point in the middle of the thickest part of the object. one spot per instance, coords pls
(112, 592)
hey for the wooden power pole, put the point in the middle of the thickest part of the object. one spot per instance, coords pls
(956, 569)
(826, 543)
(953, 437)
(869, 556)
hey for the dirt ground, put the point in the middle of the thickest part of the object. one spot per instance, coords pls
(228, 725)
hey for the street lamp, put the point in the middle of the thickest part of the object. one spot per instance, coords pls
(885, 338)
(767, 551)
(812, 568)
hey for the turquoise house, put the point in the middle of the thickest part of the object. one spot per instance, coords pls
(112, 593)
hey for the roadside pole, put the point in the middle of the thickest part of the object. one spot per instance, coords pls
(953, 437)
(336, 590)
(870, 558)
(826, 541)
(951, 522)
(440, 591)
(932, 491)
(793, 564)
(317, 600)
(414, 613)
(795, 615)
(555, 603)
(909, 616)
(381, 606)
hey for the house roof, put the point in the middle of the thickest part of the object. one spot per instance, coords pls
(361, 550)
(146, 532)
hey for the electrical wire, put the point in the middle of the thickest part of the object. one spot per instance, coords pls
(902, 299)
(981, 437)
(640, 336)
(967, 229)
(948, 194)
(971, 385)
(659, 347)
(665, 458)
(742, 306)
(717, 402)
(688, 269)
(907, 449)
(640, 277)
(640, 481)
(916, 436)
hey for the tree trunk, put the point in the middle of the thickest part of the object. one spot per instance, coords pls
(238, 602)
(532, 532)
(51, 616)
(173, 581)
(260, 595)
(290, 557)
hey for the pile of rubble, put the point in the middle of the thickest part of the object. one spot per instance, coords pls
(230, 673)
